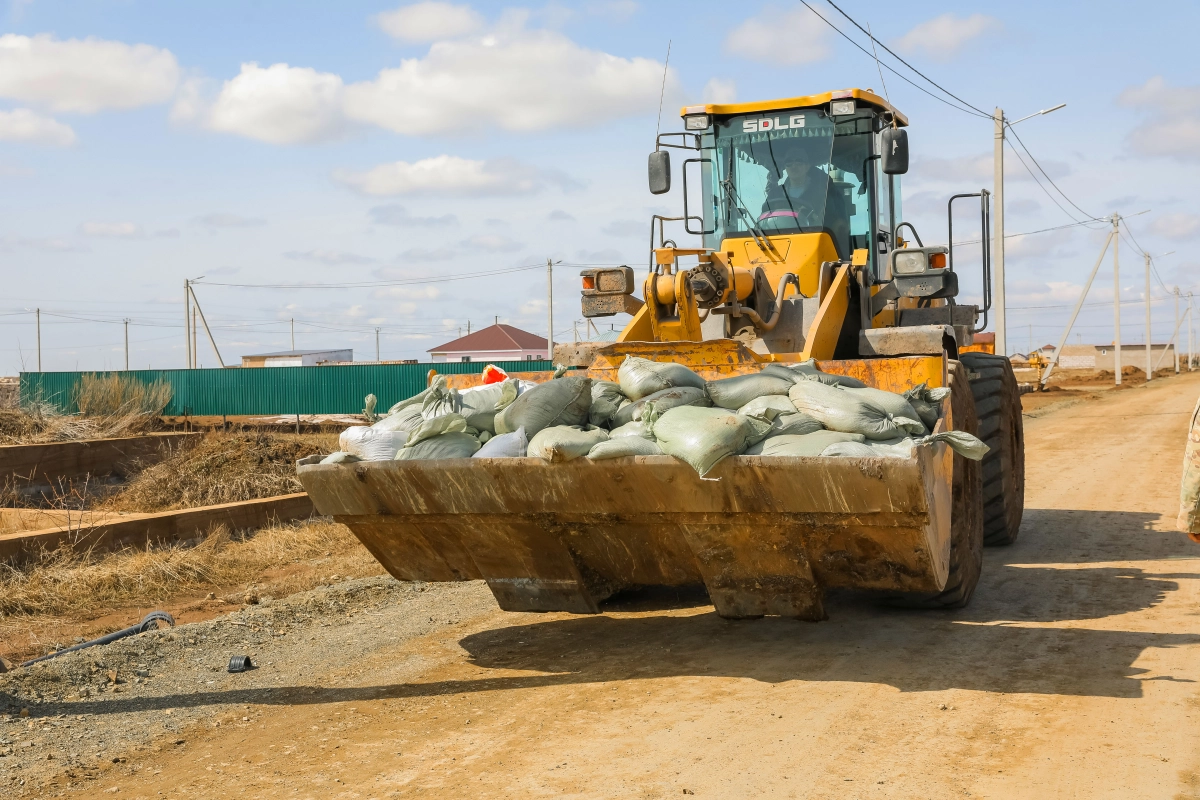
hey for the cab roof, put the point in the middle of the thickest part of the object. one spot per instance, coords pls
(864, 96)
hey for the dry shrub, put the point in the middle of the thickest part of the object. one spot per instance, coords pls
(222, 468)
(109, 406)
(87, 585)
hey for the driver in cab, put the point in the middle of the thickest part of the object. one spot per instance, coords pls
(802, 198)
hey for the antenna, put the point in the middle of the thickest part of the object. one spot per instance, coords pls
(876, 54)
(662, 92)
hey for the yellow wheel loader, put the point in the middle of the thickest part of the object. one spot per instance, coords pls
(800, 255)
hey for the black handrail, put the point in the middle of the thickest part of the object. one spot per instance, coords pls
(985, 221)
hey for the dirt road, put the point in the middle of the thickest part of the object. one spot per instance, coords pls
(1072, 674)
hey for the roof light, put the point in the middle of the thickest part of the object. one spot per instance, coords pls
(696, 122)
(841, 108)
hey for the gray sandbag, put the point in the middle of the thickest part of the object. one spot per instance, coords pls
(446, 423)
(440, 399)
(340, 457)
(479, 405)
(565, 401)
(869, 450)
(808, 444)
(624, 446)
(840, 410)
(447, 445)
(565, 442)
(895, 405)
(505, 445)
(417, 399)
(640, 377)
(640, 428)
(369, 403)
(768, 407)
(796, 424)
(407, 418)
(664, 400)
(927, 402)
(807, 370)
(961, 442)
(606, 399)
(703, 436)
(735, 392)
(371, 444)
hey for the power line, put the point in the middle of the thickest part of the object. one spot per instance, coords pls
(978, 111)
(397, 282)
(1051, 180)
(1041, 186)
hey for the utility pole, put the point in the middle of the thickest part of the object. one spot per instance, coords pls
(195, 338)
(549, 310)
(1149, 365)
(998, 240)
(293, 326)
(1190, 340)
(199, 312)
(377, 359)
(1075, 312)
(38, 313)
(1116, 241)
(1176, 328)
(187, 321)
(127, 344)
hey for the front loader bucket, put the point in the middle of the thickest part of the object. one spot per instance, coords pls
(765, 537)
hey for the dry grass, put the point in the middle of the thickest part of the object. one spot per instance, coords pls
(222, 468)
(62, 583)
(109, 406)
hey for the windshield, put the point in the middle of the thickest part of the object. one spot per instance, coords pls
(791, 172)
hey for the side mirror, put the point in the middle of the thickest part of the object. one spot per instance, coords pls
(894, 147)
(660, 172)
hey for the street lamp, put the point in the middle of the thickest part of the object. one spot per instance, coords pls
(998, 217)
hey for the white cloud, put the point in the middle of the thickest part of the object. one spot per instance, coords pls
(492, 242)
(330, 258)
(84, 75)
(112, 230)
(558, 215)
(429, 22)
(421, 254)
(397, 215)
(625, 227)
(226, 220)
(942, 37)
(786, 38)
(23, 125)
(278, 105)
(605, 256)
(956, 169)
(1177, 226)
(47, 245)
(512, 78)
(614, 10)
(1173, 128)
(447, 175)
(408, 292)
(719, 91)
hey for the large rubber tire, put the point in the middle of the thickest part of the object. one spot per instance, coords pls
(998, 404)
(966, 518)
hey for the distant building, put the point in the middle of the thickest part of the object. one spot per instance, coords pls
(297, 358)
(1101, 356)
(494, 343)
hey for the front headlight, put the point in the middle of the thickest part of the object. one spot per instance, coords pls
(695, 122)
(909, 263)
(841, 108)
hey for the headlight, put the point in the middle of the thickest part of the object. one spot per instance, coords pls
(696, 122)
(841, 108)
(909, 263)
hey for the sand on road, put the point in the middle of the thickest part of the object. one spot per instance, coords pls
(1072, 674)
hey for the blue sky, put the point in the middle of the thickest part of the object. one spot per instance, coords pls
(283, 143)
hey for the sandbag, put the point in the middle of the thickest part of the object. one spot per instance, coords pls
(808, 444)
(624, 446)
(702, 436)
(662, 402)
(796, 424)
(735, 392)
(965, 444)
(869, 450)
(895, 405)
(768, 407)
(565, 401)
(640, 377)
(440, 399)
(927, 402)
(340, 457)
(447, 445)
(505, 445)
(565, 442)
(480, 404)
(369, 403)
(404, 419)
(639, 428)
(606, 399)
(840, 410)
(807, 370)
(446, 423)
(370, 444)
(416, 400)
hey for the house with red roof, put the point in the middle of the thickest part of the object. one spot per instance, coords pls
(493, 343)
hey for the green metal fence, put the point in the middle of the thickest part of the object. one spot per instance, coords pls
(269, 390)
